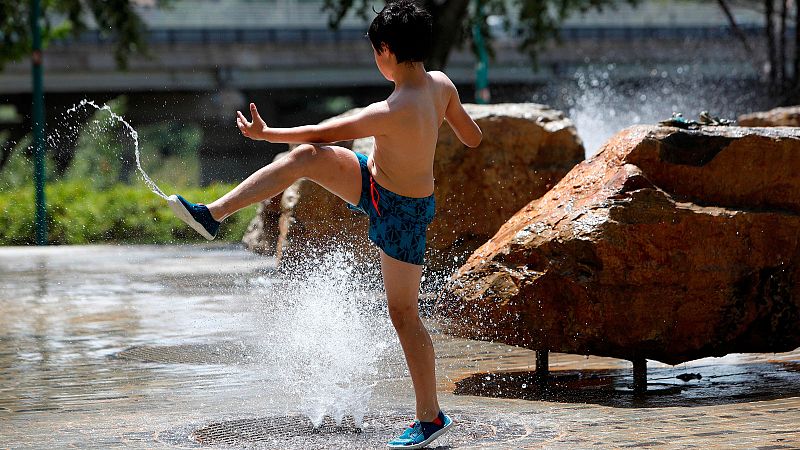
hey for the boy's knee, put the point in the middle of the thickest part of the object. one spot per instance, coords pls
(304, 153)
(402, 315)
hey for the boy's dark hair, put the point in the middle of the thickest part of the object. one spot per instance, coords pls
(405, 27)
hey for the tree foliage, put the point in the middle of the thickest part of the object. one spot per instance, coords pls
(116, 19)
(537, 21)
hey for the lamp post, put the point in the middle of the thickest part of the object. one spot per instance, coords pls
(38, 125)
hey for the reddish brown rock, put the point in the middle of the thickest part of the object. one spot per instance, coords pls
(314, 221)
(526, 149)
(262, 234)
(788, 116)
(668, 244)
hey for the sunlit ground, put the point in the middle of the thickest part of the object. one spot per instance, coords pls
(142, 346)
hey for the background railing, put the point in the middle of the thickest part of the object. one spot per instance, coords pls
(322, 35)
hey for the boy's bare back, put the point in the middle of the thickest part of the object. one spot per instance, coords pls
(405, 145)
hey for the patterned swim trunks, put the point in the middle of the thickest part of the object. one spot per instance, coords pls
(397, 224)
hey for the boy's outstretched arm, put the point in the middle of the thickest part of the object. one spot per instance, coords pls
(462, 124)
(367, 122)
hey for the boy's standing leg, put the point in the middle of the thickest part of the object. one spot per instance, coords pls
(401, 281)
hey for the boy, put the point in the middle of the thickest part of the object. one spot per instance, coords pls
(394, 187)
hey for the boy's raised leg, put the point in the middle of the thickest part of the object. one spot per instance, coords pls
(332, 167)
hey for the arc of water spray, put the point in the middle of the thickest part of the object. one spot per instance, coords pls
(150, 183)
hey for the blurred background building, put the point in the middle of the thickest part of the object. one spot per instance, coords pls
(208, 58)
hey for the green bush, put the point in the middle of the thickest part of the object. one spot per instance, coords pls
(100, 196)
(80, 214)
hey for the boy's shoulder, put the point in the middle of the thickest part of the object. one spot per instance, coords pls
(440, 76)
(444, 83)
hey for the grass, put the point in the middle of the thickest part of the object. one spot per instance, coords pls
(78, 213)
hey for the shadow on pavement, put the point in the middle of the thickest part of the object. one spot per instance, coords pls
(703, 385)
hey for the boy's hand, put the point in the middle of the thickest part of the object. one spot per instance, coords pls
(256, 129)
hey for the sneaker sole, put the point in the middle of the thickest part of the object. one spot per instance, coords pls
(182, 213)
(426, 441)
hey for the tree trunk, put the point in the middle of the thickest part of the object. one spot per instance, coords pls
(782, 47)
(796, 71)
(740, 35)
(769, 9)
(447, 30)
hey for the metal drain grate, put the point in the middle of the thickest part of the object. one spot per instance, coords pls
(297, 432)
(219, 353)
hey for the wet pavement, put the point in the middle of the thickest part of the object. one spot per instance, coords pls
(201, 346)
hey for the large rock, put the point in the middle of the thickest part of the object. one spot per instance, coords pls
(526, 149)
(788, 116)
(262, 234)
(668, 244)
(314, 221)
(318, 223)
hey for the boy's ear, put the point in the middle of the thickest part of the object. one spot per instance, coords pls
(389, 52)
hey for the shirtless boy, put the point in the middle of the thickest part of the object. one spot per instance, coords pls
(394, 186)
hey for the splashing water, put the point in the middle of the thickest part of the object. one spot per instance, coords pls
(327, 332)
(324, 330)
(602, 100)
(149, 182)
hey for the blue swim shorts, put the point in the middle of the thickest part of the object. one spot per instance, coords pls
(397, 224)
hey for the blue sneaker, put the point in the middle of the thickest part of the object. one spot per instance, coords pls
(196, 216)
(420, 434)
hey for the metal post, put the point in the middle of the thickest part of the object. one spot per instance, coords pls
(482, 95)
(542, 367)
(639, 375)
(38, 125)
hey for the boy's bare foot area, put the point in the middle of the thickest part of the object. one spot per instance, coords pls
(216, 214)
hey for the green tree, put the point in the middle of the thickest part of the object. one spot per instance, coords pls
(62, 18)
(105, 156)
(537, 21)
